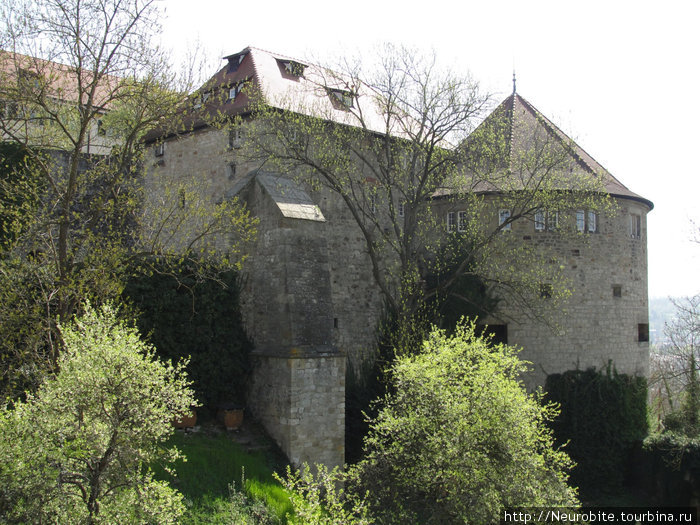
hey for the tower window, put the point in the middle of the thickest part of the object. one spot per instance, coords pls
(643, 332)
(462, 221)
(636, 226)
(503, 218)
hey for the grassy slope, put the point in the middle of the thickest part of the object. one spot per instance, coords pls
(214, 461)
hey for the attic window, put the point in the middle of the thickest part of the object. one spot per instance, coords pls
(234, 61)
(236, 89)
(341, 98)
(291, 67)
(200, 100)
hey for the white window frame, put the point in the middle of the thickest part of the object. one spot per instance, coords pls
(591, 221)
(462, 221)
(635, 226)
(580, 221)
(503, 216)
(540, 220)
(451, 223)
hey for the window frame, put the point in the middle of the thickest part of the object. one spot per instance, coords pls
(504, 215)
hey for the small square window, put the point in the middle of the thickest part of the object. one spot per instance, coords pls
(617, 290)
(236, 135)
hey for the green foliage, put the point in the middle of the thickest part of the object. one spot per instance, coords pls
(459, 438)
(603, 415)
(189, 317)
(78, 450)
(319, 499)
(19, 192)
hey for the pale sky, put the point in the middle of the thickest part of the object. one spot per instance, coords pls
(620, 77)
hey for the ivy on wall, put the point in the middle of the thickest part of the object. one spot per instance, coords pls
(201, 319)
(603, 415)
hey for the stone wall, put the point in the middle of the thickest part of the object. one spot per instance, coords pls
(606, 272)
(301, 402)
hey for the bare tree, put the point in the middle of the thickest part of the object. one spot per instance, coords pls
(673, 380)
(81, 83)
(396, 146)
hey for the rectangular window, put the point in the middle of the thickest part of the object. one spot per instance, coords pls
(636, 226)
(451, 221)
(503, 216)
(592, 222)
(402, 210)
(617, 290)
(462, 221)
(539, 220)
(643, 332)
(580, 220)
(160, 149)
(552, 220)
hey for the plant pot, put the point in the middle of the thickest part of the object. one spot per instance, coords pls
(187, 421)
(231, 418)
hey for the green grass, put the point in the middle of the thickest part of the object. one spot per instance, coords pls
(213, 463)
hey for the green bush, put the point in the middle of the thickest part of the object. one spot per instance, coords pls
(458, 438)
(603, 416)
(78, 450)
(186, 316)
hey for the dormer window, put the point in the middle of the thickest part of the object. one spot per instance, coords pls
(341, 98)
(234, 61)
(236, 89)
(291, 67)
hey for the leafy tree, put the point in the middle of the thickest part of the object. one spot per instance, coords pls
(81, 83)
(459, 438)
(396, 146)
(79, 449)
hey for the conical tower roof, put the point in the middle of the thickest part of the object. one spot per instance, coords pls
(515, 127)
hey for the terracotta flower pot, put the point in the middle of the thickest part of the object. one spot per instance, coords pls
(187, 421)
(231, 417)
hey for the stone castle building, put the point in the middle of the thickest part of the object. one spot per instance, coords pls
(310, 301)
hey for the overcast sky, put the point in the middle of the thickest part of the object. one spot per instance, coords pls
(620, 77)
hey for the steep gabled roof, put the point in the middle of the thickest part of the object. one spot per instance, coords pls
(516, 126)
(59, 81)
(284, 83)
